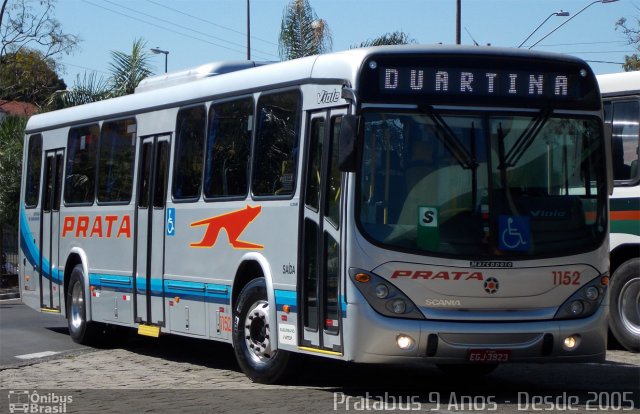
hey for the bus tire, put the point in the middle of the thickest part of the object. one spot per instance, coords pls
(80, 330)
(251, 336)
(624, 313)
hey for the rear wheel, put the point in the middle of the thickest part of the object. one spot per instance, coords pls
(80, 330)
(252, 336)
(624, 317)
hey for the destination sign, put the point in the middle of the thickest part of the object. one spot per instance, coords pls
(473, 77)
(478, 83)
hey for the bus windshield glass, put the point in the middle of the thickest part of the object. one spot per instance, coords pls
(481, 183)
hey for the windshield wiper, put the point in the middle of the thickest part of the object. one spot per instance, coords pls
(450, 141)
(525, 140)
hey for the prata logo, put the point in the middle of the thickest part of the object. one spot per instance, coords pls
(328, 97)
(491, 285)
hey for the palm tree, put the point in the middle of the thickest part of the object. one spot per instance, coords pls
(90, 88)
(396, 38)
(127, 70)
(302, 33)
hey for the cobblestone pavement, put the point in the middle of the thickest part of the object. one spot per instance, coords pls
(145, 375)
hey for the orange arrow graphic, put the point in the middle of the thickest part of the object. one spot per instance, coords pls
(234, 223)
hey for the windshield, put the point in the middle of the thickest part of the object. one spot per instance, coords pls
(482, 184)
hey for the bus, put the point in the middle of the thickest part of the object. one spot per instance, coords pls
(392, 205)
(621, 103)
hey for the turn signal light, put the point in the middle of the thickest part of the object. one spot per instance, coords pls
(363, 278)
(604, 280)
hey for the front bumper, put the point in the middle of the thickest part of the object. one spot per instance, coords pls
(447, 342)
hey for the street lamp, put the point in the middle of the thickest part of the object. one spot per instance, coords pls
(570, 18)
(157, 51)
(561, 13)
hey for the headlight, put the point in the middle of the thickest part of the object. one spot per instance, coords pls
(383, 296)
(585, 301)
(382, 291)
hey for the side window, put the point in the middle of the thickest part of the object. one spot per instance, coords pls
(190, 131)
(228, 145)
(332, 206)
(625, 140)
(80, 175)
(115, 164)
(34, 165)
(312, 191)
(276, 149)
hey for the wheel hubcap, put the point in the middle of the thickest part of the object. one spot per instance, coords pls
(257, 333)
(77, 306)
(629, 305)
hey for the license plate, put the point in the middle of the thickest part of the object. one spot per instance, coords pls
(489, 355)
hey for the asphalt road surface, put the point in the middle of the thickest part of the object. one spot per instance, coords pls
(178, 375)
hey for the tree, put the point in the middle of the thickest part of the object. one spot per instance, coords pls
(631, 62)
(11, 136)
(88, 89)
(127, 70)
(302, 33)
(396, 38)
(28, 76)
(32, 24)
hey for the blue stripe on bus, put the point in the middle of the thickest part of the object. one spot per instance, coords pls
(32, 253)
(286, 297)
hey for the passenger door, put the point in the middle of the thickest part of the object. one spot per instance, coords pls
(50, 275)
(150, 229)
(320, 281)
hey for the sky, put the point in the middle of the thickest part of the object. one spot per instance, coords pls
(196, 32)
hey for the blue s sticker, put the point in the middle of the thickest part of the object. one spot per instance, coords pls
(515, 233)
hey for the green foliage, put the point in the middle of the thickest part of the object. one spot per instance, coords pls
(396, 38)
(127, 70)
(28, 76)
(11, 138)
(302, 33)
(88, 89)
(631, 62)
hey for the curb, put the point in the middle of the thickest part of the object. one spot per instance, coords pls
(9, 295)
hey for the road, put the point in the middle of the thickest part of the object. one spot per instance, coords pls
(175, 374)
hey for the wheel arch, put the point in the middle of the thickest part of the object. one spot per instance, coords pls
(253, 266)
(76, 257)
(622, 253)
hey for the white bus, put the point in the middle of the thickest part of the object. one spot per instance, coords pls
(413, 205)
(621, 97)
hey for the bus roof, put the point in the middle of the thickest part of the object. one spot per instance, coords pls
(340, 66)
(619, 84)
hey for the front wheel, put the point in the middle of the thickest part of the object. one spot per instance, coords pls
(252, 336)
(624, 316)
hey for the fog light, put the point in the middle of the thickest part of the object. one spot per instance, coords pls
(398, 306)
(404, 341)
(382, 291)
(571, 342)
(577, 307)
(591, 293)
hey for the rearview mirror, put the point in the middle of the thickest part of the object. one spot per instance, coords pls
(347, 143)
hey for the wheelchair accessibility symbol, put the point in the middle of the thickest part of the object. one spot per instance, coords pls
(515, 233)
(171, 222)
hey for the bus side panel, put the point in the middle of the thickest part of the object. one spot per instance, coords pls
(207, 248)
(30, 256)
(105, 234)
